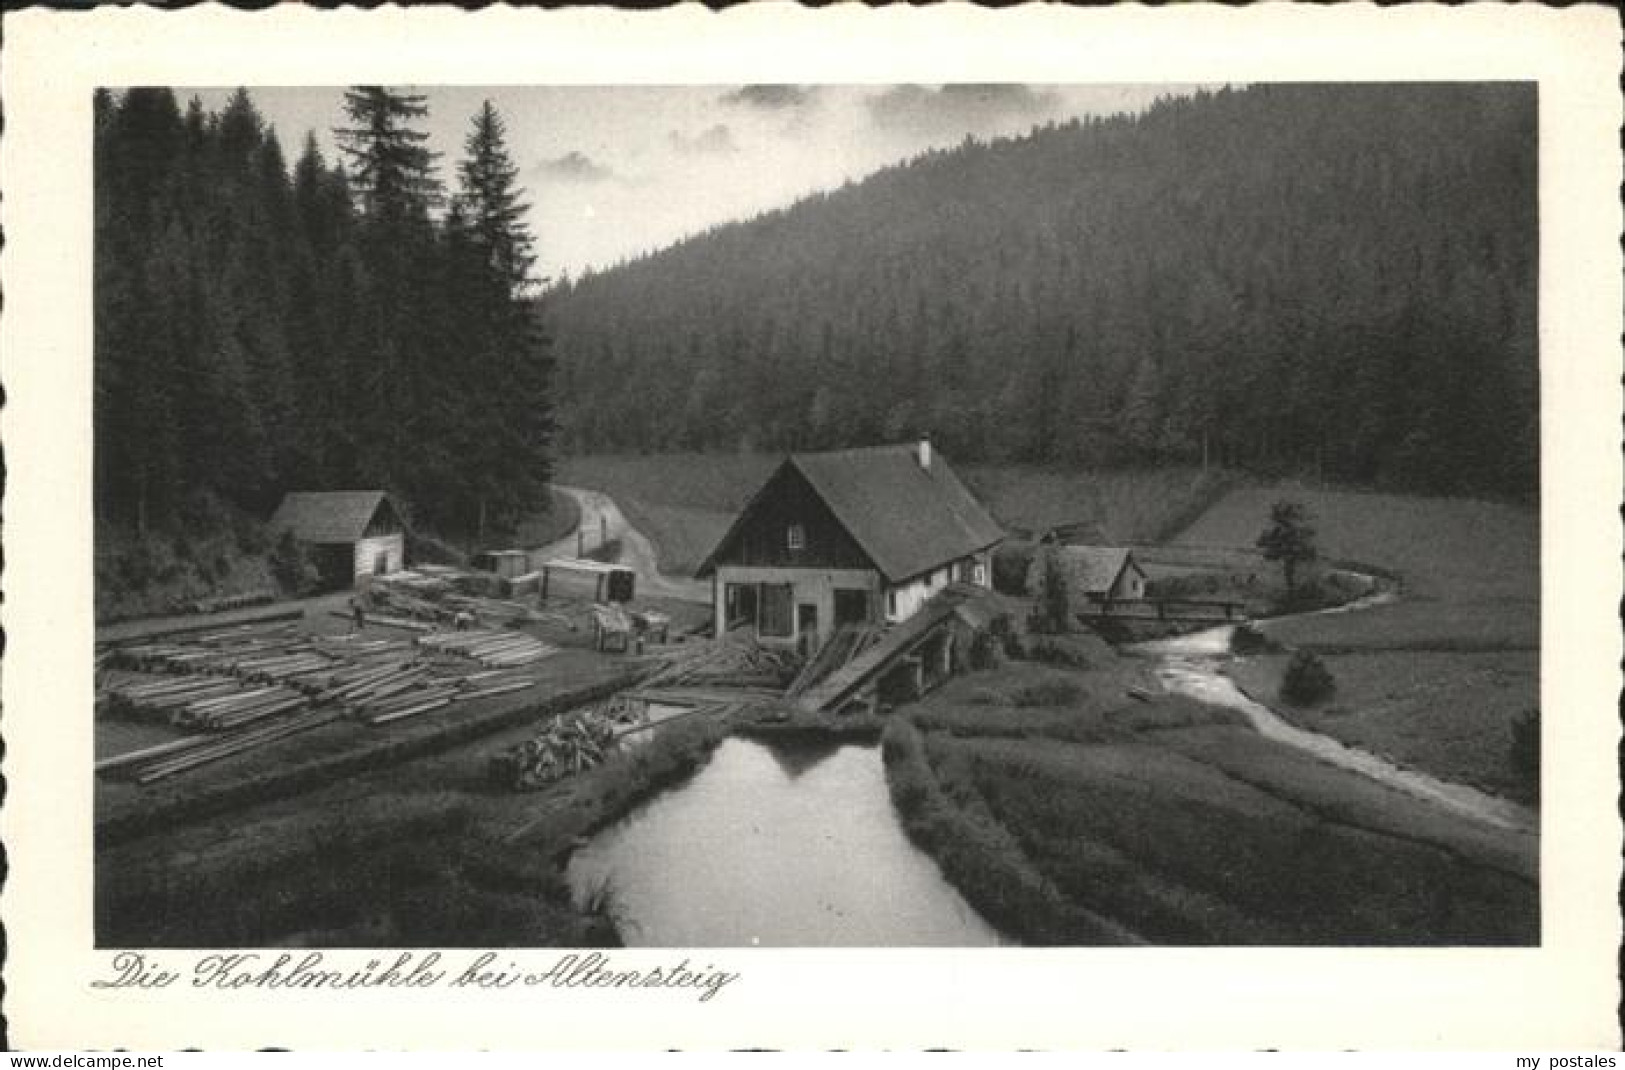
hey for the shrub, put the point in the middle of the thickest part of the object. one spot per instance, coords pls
(987, 651)
(1111, 631)
(1011, 560)
(1053, 613)
(1056, 690)
(1070, 651)
(1307, 680)
(1250, 639)
(292, 566)
(1523, 749)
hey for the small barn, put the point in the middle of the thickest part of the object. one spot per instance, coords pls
(1095, 574)
(351, 533)
(859, 536)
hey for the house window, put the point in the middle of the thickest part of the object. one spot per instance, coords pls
(979, 574)
(797, 537)
(891, 603)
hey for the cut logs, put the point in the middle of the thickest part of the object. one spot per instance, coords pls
(495, 649)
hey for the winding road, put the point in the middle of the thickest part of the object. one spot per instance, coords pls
(602, 519)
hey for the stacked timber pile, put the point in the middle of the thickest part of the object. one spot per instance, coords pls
(491, 648)
(442, 596)
(568, 746)
(732, 661)
(182, 755)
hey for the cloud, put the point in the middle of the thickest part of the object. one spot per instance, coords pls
(575, 167)
(958, 108)
(771, 97)
(716, 140)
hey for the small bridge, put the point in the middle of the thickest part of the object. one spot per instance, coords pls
(1177, 610)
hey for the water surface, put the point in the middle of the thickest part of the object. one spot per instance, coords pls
(776, 846)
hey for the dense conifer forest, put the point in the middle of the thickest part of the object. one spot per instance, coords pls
(1333, 279)
(338, 324)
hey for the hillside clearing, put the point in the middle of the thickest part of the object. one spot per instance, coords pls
(1470, 570)
(1448, 714)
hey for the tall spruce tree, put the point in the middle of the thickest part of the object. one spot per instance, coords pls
(493, 208)
(392, 170)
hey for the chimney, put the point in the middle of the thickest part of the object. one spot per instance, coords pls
(924, 453)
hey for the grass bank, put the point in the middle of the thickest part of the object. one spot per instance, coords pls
(1448, 714)
(408, 859)
(1070, 812)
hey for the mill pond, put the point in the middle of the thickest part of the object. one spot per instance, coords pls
(746, 854)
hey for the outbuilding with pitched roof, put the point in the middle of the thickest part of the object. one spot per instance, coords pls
(859, 536)
(1094, 574)
(351, 533)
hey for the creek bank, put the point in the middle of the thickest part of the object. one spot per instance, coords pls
(1178, 822)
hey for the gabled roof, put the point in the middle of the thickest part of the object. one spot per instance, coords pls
(328, 516)
(1090, 569)
(906, 518)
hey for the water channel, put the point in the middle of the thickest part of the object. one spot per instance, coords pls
(1193, 665)
(797, 844)
(782, 845)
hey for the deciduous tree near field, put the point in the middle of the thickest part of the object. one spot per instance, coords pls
(1289, 539)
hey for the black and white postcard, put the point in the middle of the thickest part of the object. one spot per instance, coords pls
(573, 529)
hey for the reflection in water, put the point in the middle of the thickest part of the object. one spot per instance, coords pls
(757, 850)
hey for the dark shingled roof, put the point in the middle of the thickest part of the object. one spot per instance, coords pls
(1090, 569)
(327, 516)
(906, 518)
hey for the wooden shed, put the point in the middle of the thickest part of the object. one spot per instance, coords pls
(351, 533)
(583, 578)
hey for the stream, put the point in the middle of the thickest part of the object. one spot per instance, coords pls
(1193, 665)
(775, 845)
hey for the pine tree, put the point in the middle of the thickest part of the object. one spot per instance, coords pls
(392, 171)
(493, 210)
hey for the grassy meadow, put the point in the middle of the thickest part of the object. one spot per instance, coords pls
(1449, 714)
(1469, 570)
(1072, 813)
(1434, 679)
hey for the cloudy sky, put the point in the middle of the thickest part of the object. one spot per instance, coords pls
(613, 172)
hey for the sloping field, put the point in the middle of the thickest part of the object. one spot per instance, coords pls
(1126, 506)
(1189, 830)
(1452, 549)
(717, 481)
(682, 535)
(1447, 714)
(1470, 569)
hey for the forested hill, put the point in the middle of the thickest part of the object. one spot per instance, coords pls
(1338, 278)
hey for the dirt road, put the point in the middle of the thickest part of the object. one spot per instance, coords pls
(602, 519)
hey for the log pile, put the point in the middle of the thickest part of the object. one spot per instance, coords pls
(568, 746)
(733, 660)
(178, 756)
(491, 648)
(240, 688)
